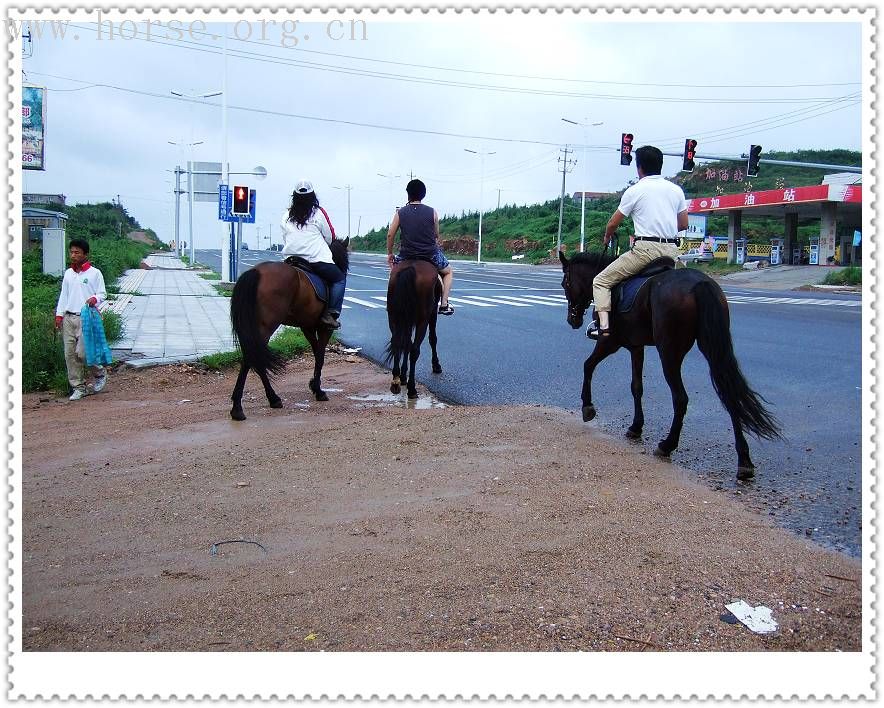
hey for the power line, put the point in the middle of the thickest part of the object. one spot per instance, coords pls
(270, 59)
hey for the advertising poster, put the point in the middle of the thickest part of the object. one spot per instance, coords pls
(33, 127)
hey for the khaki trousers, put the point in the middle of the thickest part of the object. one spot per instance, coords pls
(626, 265)
(75, 352)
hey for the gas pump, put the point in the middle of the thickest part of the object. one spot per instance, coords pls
(814, 251)
(796, 255)
(776, 251)
(740, 245)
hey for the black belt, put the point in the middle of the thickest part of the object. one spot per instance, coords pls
(657, 238)
(68, 312)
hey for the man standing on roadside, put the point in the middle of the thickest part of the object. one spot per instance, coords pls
(82, 285)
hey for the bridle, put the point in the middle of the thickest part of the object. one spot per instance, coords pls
(576, 309)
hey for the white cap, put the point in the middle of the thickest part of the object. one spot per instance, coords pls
(303, 187)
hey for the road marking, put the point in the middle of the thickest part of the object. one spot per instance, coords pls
(495, 300)
(362, 302)
(793, 301)
(531, 300)
(460, 301)
(555, 299)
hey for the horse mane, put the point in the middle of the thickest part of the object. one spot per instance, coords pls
(340, 253)
(594, 259)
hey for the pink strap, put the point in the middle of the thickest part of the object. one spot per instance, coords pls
(328, 221)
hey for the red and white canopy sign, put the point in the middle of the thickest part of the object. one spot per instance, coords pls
(793, 195)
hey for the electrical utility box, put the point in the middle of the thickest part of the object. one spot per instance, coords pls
(54, 252)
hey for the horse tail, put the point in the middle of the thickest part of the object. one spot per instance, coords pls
(714, 340)
(244, 318)
(400, 310)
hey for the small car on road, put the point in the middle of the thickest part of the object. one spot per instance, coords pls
(697, 255)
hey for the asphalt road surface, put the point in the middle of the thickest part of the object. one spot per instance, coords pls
(508, 342)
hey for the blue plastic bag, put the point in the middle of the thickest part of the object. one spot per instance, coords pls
(94, 340)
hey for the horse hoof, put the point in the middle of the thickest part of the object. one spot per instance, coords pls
(321, 395)
(276, 403)
(745, 473)
(237, 414)
(395, 388)
(437, 369)
(588, 413)
(412, 395)
(660, 452)
(633, 435)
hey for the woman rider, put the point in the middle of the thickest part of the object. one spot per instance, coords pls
(308, 232)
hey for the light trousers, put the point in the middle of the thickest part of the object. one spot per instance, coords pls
(75, 352)
(626, 265)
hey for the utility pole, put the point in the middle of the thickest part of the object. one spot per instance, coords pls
(498, 198)
(482, 156)
(178, 210)
(348, 187)
(566, 163)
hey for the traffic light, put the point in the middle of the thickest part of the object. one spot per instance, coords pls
(241, 201)
(690, 148)
(626, 149)
(754, 157)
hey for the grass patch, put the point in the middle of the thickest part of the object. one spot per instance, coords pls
(210, 276)
(184, 259)
(288, 343)
(225, 289)
(717, 267)
(846, 276)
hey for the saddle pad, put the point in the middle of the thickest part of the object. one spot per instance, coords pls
(623, 297)
(318, 284)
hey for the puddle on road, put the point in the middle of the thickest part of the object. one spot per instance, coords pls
(400, 400)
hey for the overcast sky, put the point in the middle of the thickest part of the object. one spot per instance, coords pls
(728, 84)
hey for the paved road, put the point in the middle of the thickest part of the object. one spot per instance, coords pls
(509, 343)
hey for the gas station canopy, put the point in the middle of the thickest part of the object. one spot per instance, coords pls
(806, 202)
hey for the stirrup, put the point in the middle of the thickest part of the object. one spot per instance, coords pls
(594, 331)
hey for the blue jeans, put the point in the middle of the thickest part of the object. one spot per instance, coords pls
(337, 282)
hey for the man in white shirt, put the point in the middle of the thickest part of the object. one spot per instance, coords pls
(83, 284)
(659, 211)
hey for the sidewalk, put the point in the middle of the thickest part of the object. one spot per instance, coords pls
(170, 314)
(781, 277)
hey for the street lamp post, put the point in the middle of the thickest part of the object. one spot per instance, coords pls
(192, 97)
(584, 125)
(189, 194)
(481, 194)
(348, 187)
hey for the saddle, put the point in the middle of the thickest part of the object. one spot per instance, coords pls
(320, 287)
(624, 293)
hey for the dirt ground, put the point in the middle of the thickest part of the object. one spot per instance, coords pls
(387, 528)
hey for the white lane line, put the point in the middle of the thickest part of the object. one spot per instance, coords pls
(382, 298)
(530, 300)
(372, 305)
(547, 298)
(460, 301)
(496, 301)
(795, 301)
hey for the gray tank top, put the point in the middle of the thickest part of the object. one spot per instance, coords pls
(418, 236)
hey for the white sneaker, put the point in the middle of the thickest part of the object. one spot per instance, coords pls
(77, 394)
(99, 384)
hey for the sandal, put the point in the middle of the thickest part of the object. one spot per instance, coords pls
(596, 332)
(446, 309)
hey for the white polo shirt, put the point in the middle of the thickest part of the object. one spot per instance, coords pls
(79, 286)
(654, 204)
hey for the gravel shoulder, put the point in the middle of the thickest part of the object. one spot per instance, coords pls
(387, 528)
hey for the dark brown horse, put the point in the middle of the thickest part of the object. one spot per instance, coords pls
(671, 311)
(267, 296)
(413, 295)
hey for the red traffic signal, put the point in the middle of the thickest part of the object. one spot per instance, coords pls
(690, 149)
(626, 149)
(241, 198)
(754, 158)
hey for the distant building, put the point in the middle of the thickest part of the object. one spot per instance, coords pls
(43, 199)
(590, 196)
(35, 220)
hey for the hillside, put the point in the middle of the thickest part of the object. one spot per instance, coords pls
(531, 230)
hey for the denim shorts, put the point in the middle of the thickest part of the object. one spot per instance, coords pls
(438, 259)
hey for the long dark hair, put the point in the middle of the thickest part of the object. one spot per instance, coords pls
(302, 208)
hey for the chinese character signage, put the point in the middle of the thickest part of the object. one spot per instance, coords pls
(33, 127)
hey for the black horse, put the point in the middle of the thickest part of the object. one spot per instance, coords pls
(672, 310)
(267, 296)
(413, 295)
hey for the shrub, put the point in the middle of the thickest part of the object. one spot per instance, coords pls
(845, 276)
(288, 343)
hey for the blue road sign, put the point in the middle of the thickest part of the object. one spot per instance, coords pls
(250, 219)
(224, 205)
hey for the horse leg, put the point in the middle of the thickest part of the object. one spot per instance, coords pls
(437, 367)
(396, 383)
(236, 411)
(745, 467)
(603, 349)
(274, 400)
(318, 342)
(419, 334)
(634, 431)
(672, 372)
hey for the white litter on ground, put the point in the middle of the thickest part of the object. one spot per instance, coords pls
(759, 619)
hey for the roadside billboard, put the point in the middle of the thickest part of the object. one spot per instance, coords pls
(33, 127)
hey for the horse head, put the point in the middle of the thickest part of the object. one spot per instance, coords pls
(577, 283)
(340, 253)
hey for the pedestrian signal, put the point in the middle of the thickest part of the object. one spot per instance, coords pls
(626, 149)
(754, 157)
(241, 199)
(690, 149)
